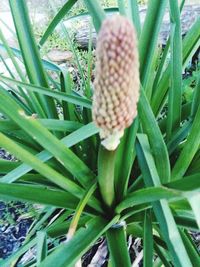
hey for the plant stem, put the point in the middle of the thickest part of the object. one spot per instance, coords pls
(106, 164)
(117, 245)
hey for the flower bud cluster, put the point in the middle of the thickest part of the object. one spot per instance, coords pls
(116, 85)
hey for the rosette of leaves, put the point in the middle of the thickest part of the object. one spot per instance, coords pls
(154, 170)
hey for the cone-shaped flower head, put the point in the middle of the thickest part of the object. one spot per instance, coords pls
(116, 85)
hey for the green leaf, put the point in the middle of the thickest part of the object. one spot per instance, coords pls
(117, 244)
(37, 194)
(149, 37)
(191, 248)
(134, 14)
(190, 45)
(68, 254)
(148, 241)
(45, 170)
(30, 54)
(46, 64)
(58, 95)
(196, 98)
(194, 203)
(66, 86)
(169, 229)
(123, 165)
(185, 219)
(60, 125)
(59, 228)
(147, 195)
(6, 166)
(70, 140)
(175, 92)
(39, 133)
(106, 166)
(10, 53)
(50, 124)
(41, 246)
(155, 137)
(187, 183)
(122, 7)
(55, 21)
(178, 137)
(162, 255)
(189, 150)
(96, 12)
(79, 210)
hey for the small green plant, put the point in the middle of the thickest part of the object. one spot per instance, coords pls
(146, 187)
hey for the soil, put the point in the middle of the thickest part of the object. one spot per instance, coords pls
(13, 229)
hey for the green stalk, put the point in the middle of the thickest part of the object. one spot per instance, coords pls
(117, 245)
(106, 165)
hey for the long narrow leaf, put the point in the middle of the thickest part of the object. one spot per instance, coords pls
(96, 11)
(58, 17)
(148, 241)
(190, 45)
(189, 150)
(161, 209)
(155, 138)
(149, 37)
(32, 60)
(37, 194)
(68, 254)
(70, 140)
(43, 90)
(46, 139)
(135, 16)
(175, 92)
